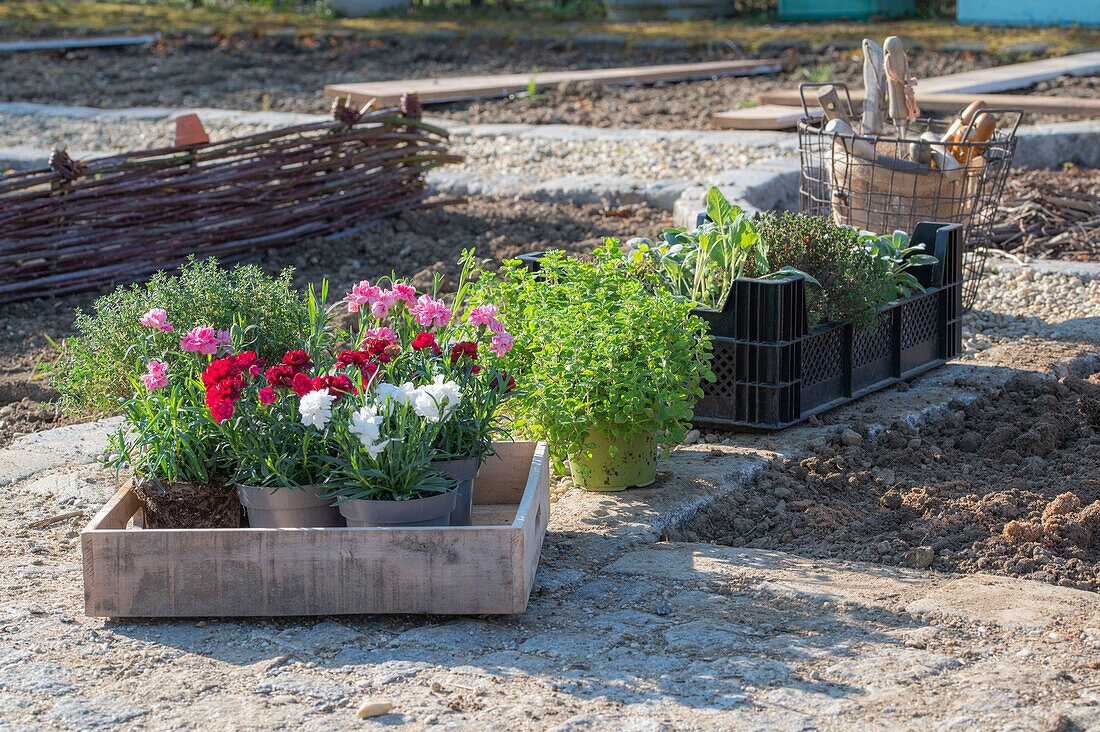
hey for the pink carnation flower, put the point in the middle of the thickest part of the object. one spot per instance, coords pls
(482, 315)
(404, 292)
(497, 327)
(157, 318)
(431, 312)
(157, 376)
(362, 294)
(386, 333)
(501, 343)
(223, 339)
(380, 308)
(202, 339)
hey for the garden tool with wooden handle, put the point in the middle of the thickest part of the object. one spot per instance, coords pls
(846, 136)
(942, 157)
(874, 88)
(980, 130)
(829, 100)
(901, 99)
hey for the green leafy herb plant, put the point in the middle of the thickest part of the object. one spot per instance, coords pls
(600, 346)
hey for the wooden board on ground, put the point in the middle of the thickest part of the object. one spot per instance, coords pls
(1083, 106)
(953, 92)
(458, 88)
(61, 44)
(1013, 76)
(763, 117)
(488, 568)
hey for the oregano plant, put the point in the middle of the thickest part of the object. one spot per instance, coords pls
(601, 346)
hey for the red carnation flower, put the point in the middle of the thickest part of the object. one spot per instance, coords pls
(426, 340)
(511, 383)
(280, 376)
(221, 411)
(267, 395)
(301, 384)
(352, 358)
(219, 370)
(465, 348)
(248, 361)
(300, 360)
(338, 385)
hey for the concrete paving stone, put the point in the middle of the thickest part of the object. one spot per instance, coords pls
(33, 677)
(310, 685)
(569, 644)
(87, 440)
(17, 463)
(92, 713)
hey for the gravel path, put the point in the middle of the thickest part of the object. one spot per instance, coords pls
(563, 152)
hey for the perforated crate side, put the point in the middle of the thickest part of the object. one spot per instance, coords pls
(822, 367)
(761, 311)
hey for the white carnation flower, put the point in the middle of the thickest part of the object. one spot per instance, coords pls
(395, 394)
(367, 423)
(316, 408)
(435, 401)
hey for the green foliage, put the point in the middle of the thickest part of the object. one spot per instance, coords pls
(851, 285)
(97, 368)
(599, 345)
(899, 257)
(701, 265)
(169, 436)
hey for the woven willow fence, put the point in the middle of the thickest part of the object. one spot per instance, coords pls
(77, 226)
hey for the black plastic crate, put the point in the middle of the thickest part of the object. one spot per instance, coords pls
(774, 371)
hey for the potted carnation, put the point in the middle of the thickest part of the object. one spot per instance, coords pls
(421, 354)
(610, 360)
(175, 450)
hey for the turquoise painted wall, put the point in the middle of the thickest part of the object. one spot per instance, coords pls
(1029, 12)
(850, 9)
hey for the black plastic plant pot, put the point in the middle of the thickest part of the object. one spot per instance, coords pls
(774, 371)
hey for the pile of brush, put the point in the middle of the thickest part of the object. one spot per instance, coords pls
(1050, 214)
(76, 226)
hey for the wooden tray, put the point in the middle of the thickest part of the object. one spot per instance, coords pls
(487, 568)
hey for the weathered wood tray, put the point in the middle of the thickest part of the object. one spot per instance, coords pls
(481, 569)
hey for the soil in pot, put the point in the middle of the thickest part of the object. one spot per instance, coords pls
(463, 471)
(633, 465)
(189, 505)
(433, 510)
(286, 508)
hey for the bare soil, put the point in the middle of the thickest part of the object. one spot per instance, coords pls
(285, 74)
(1008, 483)
(417, 243)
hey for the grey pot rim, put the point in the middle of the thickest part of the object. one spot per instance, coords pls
(391, 511)
(268, 497)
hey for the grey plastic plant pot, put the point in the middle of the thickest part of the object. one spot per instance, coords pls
(464, 471)
(289, 508)
(431, 511)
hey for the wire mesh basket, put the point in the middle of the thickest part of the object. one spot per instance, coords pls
(874, 183)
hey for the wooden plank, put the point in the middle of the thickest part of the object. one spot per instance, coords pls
(457, 88)
(1083, 106)
(61, 44)
(531, 521)
(266, 572)
(763, 117)
(1013, 76)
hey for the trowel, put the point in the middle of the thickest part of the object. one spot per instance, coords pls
(874, 86)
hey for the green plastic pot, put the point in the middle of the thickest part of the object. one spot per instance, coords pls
(634, 463)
